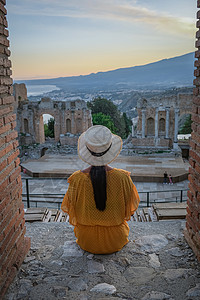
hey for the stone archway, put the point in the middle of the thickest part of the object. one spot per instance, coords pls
(70, 116)
(40, 135)
(150, 127)
(26, 125)
(78, 125)
(161, 126)
(68, 126)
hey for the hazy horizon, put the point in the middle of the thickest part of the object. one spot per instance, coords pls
(51, 39)
(18, 80)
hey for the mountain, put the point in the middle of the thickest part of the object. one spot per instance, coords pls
(172, 72)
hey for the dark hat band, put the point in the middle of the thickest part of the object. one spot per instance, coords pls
(100, 153)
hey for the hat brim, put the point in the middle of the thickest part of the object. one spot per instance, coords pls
(103, 160)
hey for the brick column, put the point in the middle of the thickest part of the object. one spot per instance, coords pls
(192, 231)
(13, 245)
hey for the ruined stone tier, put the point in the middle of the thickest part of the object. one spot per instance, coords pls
(70, 117)
(158, 120)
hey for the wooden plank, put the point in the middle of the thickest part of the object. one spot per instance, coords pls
(33, 217)
(135, 216)
(65, 217)
(171, 214)
(142, 215)
(36, 210)
(59, 216)
(152, 215)
(47, 218)
(172, 205)
(54, 213)
(146, 213)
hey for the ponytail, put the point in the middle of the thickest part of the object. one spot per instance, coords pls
(98, 178)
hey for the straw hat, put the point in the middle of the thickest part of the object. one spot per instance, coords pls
(98, 146)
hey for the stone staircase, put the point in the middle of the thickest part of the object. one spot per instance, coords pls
(157, 264)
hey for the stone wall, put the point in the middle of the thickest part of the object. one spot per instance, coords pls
(70, 116)
(192, 232)
(13, 245)
(159, 120)
(70, 140)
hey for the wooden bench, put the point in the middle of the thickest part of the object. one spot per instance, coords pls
(168, 211)
(45, 215)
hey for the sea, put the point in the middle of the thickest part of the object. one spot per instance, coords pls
(35, 90)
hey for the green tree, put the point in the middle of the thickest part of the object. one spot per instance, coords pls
(102, 119)
(107, 107)
(186, 128)
(128, 124)
(49, 128)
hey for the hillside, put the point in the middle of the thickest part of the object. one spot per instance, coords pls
(176, 71)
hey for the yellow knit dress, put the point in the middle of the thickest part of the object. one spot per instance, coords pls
(107, 231)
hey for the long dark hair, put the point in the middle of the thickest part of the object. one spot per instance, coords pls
(98, 178)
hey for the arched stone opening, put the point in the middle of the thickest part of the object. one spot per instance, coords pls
(161, 126)
(43, 151)
(26, 126)
(78, 125)
(150, 127)
(42, 128)
(49, 126)
(68, 126)
(184, 124)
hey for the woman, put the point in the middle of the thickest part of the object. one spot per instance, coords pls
(100, 199)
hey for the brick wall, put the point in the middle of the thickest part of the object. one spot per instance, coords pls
(13, 245)
(192, 232)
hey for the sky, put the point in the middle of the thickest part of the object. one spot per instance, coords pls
(58, 38)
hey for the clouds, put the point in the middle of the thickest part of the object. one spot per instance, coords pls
(130, 11)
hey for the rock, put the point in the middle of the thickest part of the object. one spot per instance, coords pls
(90, 256)
(54, 279)
(111, 298)
(152, 243)
(56, 262)
(194, 292)
(154, 261)
(139, 275)
(70, 248)
(175, 252)
(83, 297)
(10, 296)
(77, 285)
(36, 270)
(153, 295)
(59, 291)
(172, 274)
(25, 286)
(124, 261)
(171, 237)
(45, 252)
(29, 258)
(104, 288)
(95, 267)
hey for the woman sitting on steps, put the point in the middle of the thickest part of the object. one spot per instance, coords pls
(100, 199)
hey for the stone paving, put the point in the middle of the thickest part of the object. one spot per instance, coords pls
(156, 264)
(142, 168)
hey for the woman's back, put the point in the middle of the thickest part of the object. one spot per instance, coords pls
(100, 199)
(91, 223)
